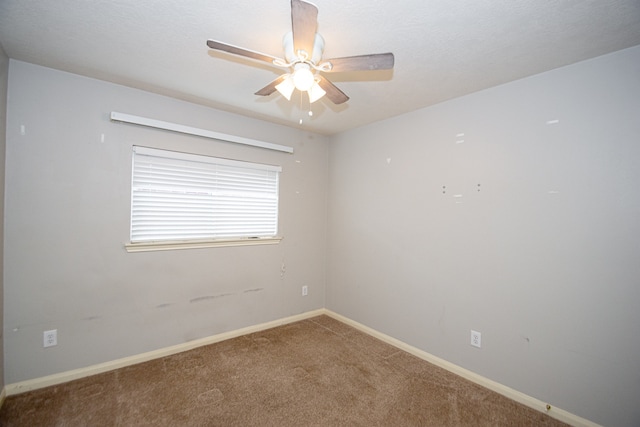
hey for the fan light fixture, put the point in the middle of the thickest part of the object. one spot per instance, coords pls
(303, 80)
(316, 92)
(286, 87)
(303, 77)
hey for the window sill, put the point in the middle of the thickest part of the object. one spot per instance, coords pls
(200, 244)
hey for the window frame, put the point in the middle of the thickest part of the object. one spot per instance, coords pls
(195, 243)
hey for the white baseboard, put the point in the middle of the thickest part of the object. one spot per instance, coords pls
(37, 383)
(63, 377)
(552, 411)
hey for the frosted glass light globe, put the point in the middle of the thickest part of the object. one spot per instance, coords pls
(303, 79)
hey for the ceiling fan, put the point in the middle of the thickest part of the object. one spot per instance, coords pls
(303, 49)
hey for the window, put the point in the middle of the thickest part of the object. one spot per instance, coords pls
(178, 198)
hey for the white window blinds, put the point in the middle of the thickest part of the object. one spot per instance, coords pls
(178, 196)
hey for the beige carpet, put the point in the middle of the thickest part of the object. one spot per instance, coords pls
(317, 372)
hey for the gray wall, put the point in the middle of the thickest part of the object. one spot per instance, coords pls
(4, 82)
(67, 218)
(543, 260)
(526, 228)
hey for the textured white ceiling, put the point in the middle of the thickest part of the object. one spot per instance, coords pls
(443, 48)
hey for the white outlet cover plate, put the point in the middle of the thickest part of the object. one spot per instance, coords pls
(476, 339)
(50, 338)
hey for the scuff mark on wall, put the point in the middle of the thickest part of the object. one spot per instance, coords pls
(165, 305)
(208, 297)
(253, 290)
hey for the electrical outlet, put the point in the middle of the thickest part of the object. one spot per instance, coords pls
(305, 290)
(476, 339)
(50, 338)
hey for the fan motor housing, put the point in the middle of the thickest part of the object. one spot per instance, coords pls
(291, 56)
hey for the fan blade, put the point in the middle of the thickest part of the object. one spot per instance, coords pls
(240, 51)
(304, 21)
(271, 87)
(376, 61)
(334, 94)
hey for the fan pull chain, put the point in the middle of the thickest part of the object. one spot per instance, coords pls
(300, 105)
(309, 112)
